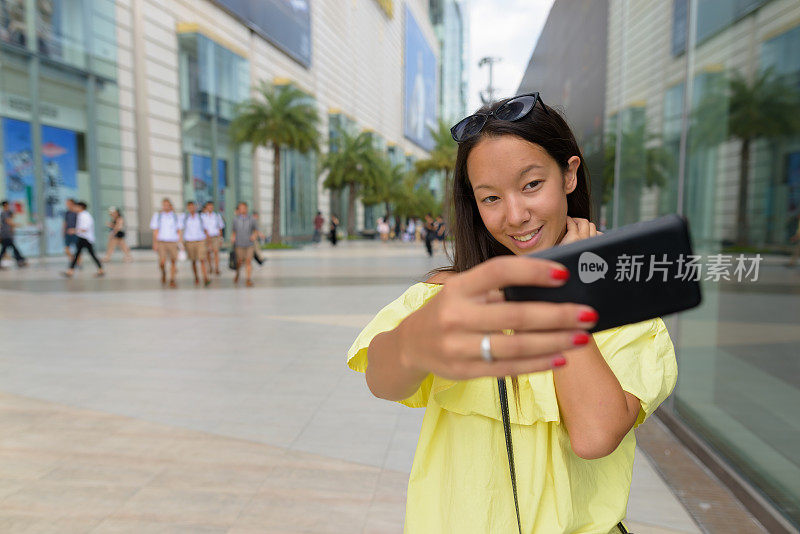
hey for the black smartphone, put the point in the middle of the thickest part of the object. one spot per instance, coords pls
(630, 274)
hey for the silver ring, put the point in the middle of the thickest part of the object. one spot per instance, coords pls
(486, 349)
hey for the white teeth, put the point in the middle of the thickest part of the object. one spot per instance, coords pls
(527, 237)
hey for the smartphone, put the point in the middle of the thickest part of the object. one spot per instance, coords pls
(630, 274)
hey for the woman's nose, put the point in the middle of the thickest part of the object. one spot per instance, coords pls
(518, 212)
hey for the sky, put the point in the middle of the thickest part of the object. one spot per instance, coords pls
(507, 29)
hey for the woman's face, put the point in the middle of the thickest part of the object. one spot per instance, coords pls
(521, 192)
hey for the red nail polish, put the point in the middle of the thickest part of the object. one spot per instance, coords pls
(559, 362)
(588, 316)
(580, 339)
(559, 274)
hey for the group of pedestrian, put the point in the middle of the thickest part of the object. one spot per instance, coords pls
(431, 231)
(333, 228)
(201, 237)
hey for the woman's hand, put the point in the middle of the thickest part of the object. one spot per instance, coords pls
(444, 336)
(578, 229)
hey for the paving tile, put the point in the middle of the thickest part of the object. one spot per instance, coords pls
(251, 424)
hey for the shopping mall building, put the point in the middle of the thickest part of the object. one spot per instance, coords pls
(123, 103)
(662, 94)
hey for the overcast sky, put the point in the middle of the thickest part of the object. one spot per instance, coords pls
(507, 29)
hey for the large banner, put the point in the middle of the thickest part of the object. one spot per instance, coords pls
(21, 184)
(420, 86)
(285, 23)
(60, 166)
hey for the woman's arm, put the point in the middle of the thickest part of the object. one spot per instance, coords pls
(597, 412)
(444, 336)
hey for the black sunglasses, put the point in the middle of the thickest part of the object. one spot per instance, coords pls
(511, 110)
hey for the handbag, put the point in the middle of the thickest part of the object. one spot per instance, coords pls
(232, 263)
(503, 391)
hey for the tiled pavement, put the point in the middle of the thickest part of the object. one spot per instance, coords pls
(128, 408)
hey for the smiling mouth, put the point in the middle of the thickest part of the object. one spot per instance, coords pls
(526, 237)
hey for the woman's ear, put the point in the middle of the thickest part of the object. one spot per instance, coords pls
(571, 176)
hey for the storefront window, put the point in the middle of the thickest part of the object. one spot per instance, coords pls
(733, 169)
(60, 130)
(212, 81)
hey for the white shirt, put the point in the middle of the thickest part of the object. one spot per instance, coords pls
(167, 224)
(193, 229)
(213, 223)
(84, 226)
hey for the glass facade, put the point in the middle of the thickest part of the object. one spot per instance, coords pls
(450, 25)
(59, 115)
(298, 191)
(213, 80)
(700, 128)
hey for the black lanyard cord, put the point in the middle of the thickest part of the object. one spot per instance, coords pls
(503, 391)
(501, 388)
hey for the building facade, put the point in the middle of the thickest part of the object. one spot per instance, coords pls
(123, 103)
(695, 96)
(450, 21)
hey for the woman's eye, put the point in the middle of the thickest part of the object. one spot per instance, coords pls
(533, 184)
(490, 199)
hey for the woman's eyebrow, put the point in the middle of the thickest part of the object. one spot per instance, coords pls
(529, 168)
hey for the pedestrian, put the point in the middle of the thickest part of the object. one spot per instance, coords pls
(319, 221)
(259, 238)
(430, 233)
(214, 224)
(70, 220)
(84, 230)
(116, 238)
(411, 229)
(243, 238)
(397, 232)
(7, 227)
(555, 454)
(441, 229)
(333, 228)
(167, 230)
(194, 241)
(383, 229)
(796, 240)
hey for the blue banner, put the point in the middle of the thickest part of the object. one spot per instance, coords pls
(420, 86)
(21, 184)
(60, 169)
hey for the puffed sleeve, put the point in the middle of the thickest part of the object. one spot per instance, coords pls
(387, 319)
(642, 357)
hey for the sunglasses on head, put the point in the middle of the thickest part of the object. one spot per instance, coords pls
(512, 109)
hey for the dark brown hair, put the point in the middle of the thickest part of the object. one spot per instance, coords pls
(473, 244)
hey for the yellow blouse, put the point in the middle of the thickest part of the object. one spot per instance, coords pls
(460, 481)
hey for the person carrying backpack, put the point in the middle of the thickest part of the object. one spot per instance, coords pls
(167, 232)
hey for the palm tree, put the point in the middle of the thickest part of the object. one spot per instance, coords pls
(412, 199)
(354, 164)
(441, 158)
(280, 117)
(766, 108)
(387, 186)
(643, 156)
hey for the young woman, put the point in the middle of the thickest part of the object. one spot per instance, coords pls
(117, 237)
(520, 186)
